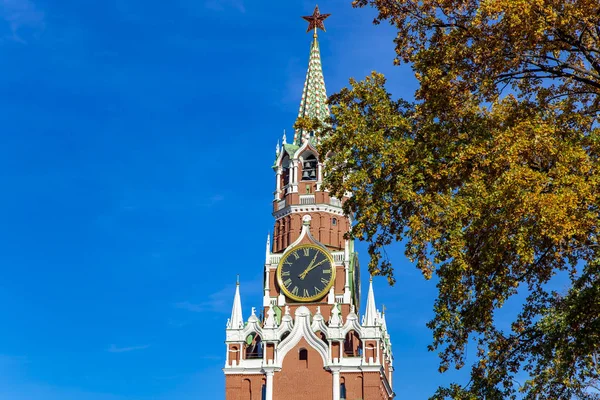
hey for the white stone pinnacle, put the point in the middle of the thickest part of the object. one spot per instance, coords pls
(268, 252)
(237, 320)
(370, 318)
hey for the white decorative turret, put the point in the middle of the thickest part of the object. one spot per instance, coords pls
(284, 141)
(237, 320)
(370, 318)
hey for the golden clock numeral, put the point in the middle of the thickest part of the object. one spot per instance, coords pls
(327, 271)
(295, 254)
(305, 293)
(306, 252)
(295, 291)
(317, 291)
(287, 283)
(285, 273)
(287, 262)
(324, 281)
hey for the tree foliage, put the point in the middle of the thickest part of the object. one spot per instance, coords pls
(491, 179)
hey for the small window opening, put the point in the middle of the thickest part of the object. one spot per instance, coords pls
(334, 221)
(309, 168)
(307, 189)
(303, 355)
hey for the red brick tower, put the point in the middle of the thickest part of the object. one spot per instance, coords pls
(310, 344)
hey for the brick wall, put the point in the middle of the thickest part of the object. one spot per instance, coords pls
(300, 379)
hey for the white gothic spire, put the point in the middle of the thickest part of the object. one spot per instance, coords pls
(237, 320)
(268, 250)
(383, 322)
(370, 318)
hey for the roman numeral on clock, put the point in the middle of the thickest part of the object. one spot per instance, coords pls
(287, 283)
(295, 291)
(306, 252)
(285, 273)
(324, 281)
(305, 293)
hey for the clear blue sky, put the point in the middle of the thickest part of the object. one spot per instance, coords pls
(136, 139)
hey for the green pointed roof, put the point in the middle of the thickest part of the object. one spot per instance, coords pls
(314, 96)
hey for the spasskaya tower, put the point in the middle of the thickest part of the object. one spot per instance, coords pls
(311, 343)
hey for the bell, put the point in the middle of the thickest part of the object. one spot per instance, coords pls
(305, 174)
(312, 173)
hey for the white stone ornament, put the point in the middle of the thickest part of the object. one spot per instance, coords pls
(270, 321)
(335, 320)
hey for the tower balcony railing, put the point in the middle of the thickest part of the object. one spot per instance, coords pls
(280, 204)
(275, 258)
(335, 202)
(307, 199)
(338, 257)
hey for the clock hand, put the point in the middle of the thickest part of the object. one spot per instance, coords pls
(311, 268)
(303, 274)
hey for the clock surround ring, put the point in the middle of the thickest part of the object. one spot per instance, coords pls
(327, 287)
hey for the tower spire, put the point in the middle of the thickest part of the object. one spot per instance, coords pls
(237, 320)
(314, 96)
(370, 318)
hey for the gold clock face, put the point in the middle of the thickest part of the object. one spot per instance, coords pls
(306, 273)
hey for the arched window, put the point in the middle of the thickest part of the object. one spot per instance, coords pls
(254, 347)
(309, 168)
(352, 344)
(235, 355)
(247, 389)
(361, 386)
(285, 171)
(343, 389)
(323, 337)
(333, 221)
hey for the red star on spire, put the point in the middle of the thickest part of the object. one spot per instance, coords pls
(316, 20)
